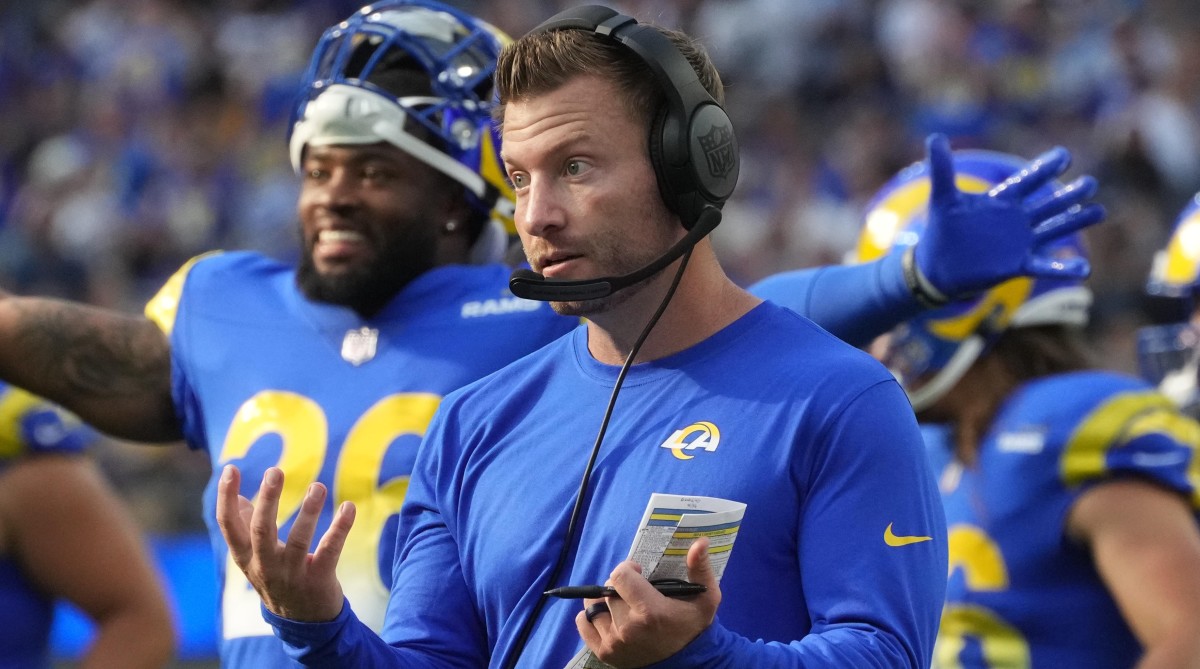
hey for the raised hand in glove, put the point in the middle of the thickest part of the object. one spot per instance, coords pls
(974, 241)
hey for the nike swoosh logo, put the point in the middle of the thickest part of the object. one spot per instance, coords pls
(892, 540)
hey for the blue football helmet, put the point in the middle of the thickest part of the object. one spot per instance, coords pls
(345, 98)
(929, 353)
(1169, 355)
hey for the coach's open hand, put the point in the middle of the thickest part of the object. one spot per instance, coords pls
(292, 582)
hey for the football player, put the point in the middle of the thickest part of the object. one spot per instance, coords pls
(1169, 355)
(331, 369)
(66, 536)
(1071, 498)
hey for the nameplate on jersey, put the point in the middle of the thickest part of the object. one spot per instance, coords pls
(358, 346)
(1028, 442)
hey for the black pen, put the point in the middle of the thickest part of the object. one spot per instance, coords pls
(670, 589)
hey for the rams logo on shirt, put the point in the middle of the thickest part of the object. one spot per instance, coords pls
(698, 435)
(497, 307)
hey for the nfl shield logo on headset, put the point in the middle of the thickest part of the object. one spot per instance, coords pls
(718, 149)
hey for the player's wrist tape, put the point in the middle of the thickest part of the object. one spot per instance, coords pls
(926, 293)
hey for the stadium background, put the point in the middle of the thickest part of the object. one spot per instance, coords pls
(137, 133)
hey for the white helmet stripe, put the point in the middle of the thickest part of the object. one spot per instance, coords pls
(344, 114)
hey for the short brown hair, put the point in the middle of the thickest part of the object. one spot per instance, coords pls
(542, 62)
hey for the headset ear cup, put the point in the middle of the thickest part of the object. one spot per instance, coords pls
(695, 160)
(659, 161)
(713, 156)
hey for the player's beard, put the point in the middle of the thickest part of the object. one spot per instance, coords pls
(367, 287)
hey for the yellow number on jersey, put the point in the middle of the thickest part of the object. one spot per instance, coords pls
(984, 569)
(302, 428)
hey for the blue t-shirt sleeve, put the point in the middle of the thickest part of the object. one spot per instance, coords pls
(856, 303)
(872, 508)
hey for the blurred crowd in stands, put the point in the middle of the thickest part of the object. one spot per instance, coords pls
(138, 133)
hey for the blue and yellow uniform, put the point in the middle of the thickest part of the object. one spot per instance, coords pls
(1020, 593)
(264, 377)
(816, 438)
(29, 426)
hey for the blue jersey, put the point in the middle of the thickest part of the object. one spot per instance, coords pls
(1022, 594)
(813, 435)
(264, 377)
(29, 426)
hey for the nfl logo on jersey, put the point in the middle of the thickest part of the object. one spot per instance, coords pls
(359, 345)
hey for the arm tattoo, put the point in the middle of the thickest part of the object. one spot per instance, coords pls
(87, 353)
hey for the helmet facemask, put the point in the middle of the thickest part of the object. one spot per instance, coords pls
(1169, 354)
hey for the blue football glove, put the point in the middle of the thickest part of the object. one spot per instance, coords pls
(973, 241)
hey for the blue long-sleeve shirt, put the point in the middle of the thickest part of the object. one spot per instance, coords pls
(814, 436)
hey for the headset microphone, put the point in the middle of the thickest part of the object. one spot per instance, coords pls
(530, 285)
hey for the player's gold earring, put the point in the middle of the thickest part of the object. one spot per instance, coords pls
(451, 226)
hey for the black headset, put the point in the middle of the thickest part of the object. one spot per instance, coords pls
(692, 145)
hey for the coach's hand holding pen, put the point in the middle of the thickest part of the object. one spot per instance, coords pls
(669, 587)
(643, 624)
